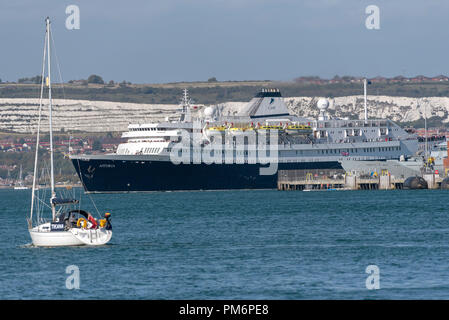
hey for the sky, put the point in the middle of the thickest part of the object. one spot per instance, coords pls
(147, 41)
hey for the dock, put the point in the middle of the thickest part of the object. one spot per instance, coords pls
(299, 180)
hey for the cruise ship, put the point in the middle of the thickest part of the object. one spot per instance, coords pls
(213, 150)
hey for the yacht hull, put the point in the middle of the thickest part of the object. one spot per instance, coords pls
(54, 239)
(42, 237)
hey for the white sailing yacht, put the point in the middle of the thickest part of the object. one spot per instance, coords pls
(68, 226)
(20, 185)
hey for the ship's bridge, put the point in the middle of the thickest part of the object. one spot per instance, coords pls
(151, 130)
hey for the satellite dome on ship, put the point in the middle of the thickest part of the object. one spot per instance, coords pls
(209, 112)
(322, 104)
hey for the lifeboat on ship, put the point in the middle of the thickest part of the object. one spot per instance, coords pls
(215, 131)
(298, 129)
(271, 128)
(236, 131)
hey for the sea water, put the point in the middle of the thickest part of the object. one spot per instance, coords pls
(258, 244)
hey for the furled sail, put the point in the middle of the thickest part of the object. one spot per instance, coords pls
(62, 201)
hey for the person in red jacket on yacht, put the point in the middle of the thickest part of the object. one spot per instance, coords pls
(92, 221)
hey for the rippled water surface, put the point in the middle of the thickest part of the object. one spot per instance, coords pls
(240, 245)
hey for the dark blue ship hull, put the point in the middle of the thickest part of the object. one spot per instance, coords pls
(106, 175)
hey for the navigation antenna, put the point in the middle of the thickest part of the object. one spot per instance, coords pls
(364, 95)
(186, 116)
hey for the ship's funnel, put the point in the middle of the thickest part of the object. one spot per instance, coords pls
(267, 103)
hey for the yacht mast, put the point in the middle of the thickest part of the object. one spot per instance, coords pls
(30, 222)
(20, 176)
(425, 129)
(53, 194)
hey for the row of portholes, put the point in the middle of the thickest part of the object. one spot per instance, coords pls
(352, 150)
